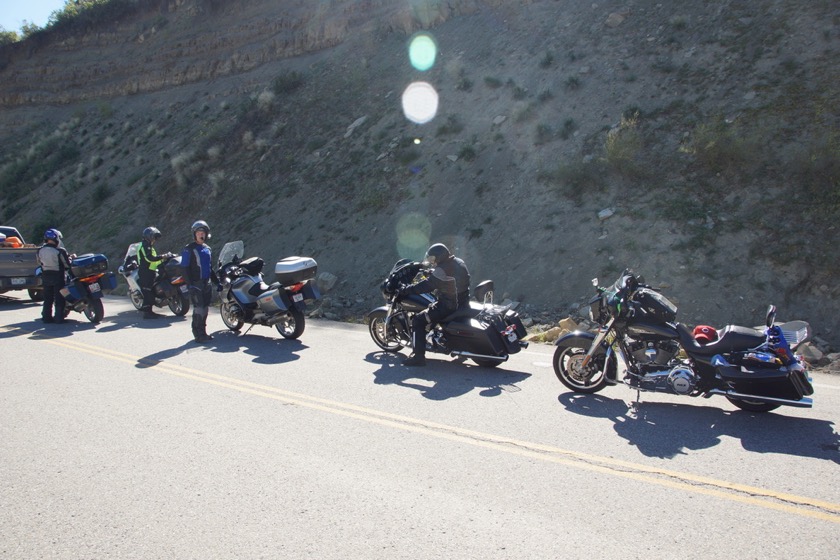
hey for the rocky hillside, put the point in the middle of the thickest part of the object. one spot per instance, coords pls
(695, 142)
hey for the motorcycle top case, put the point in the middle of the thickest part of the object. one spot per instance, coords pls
(292, 270)
(88, 265)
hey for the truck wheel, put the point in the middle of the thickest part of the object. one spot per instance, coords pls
(36, 295)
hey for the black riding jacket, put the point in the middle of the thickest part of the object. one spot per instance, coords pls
(449, 281)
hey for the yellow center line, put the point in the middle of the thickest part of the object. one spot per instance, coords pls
(751, 495)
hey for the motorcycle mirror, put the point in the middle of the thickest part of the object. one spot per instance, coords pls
(595, 282)
(771, 316)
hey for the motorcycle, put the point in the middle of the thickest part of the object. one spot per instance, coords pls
(246, 298)
(483, 332)
(169, 287)
(754, 368)
(83, 291)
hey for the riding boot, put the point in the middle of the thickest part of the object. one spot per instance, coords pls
(418, 341)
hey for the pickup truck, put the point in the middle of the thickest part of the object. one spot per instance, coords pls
(17, 266)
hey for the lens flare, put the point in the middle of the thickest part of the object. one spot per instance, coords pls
(420, 102)
(413, 231)
(422, 51)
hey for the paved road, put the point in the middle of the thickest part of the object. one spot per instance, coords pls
(126, 440)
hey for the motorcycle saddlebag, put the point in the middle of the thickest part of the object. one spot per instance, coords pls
(292, 270)
(512, 318)
(73, 292)
(274, 301)
(88, 265)
(781, 383)
(108, 282)
(472, 335)
(310, 291)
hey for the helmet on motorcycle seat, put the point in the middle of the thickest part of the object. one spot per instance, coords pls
(201, 225)
(151, 233)
(705, 334)
(52, 234)
(437, 253)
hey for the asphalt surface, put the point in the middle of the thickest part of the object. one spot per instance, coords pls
(128, 440)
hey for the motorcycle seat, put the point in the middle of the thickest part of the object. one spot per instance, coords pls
(261, 287)
(732, 338)
(465, 312)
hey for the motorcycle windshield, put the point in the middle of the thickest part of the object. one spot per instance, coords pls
(132, 250)
(231, 251)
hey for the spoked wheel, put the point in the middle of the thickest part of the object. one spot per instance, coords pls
(292, 325)
(180, 304)
(232, 315)
(753, 406)
(389, 341)
(94, 311)
(568, 367)
(136, 299)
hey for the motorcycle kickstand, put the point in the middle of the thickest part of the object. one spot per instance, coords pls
(248, 329)
(634, 406)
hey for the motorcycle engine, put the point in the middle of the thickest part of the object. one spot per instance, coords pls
(654, 353)
(682, 380)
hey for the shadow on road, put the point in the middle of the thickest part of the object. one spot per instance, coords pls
(666, 430)
(269, 351)
(440, 380)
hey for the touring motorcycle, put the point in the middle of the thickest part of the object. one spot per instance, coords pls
(246, 298)
(83, 291)
(170, 287)
(754, 368)
(484, 332)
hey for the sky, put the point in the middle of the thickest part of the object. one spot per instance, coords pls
(13, 12)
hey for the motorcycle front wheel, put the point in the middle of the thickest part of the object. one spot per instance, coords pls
(231, 315)
(569, 370)
(752, 406)
(179, 304)
(94, 311)
(136, 299)
(292, 325)
(376, 326)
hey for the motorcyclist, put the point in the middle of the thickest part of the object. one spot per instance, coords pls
(449, 279)
(148, 260)
(55, 263)
(197, 262)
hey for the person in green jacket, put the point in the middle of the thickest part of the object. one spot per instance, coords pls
(148, 261)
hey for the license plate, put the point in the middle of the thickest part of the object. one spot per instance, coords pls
(94, 288)
(184, 288)
(297, 297)
(18, 281)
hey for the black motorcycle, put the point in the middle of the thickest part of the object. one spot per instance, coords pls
(755, 369)
(483, 332)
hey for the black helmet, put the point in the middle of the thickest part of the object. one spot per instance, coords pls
(201, 225)
(151, 233)
(437, 253)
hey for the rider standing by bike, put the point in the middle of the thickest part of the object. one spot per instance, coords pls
(197, 262)
(148, 261)
(55, 263)
(449, 279)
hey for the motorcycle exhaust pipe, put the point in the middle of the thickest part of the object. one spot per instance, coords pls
(457, 353)
(805, 402)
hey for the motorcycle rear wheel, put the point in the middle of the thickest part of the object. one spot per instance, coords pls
(753, 406)
(179, 304)
(292, 326)
(567, 368)
(483, 362)
(94, 311)
(136, 299)
(231, 315)
(376, 326)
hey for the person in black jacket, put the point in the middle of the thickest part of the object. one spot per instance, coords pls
(55, 263)
(196, 260)
(148, 261)
(449, 280)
